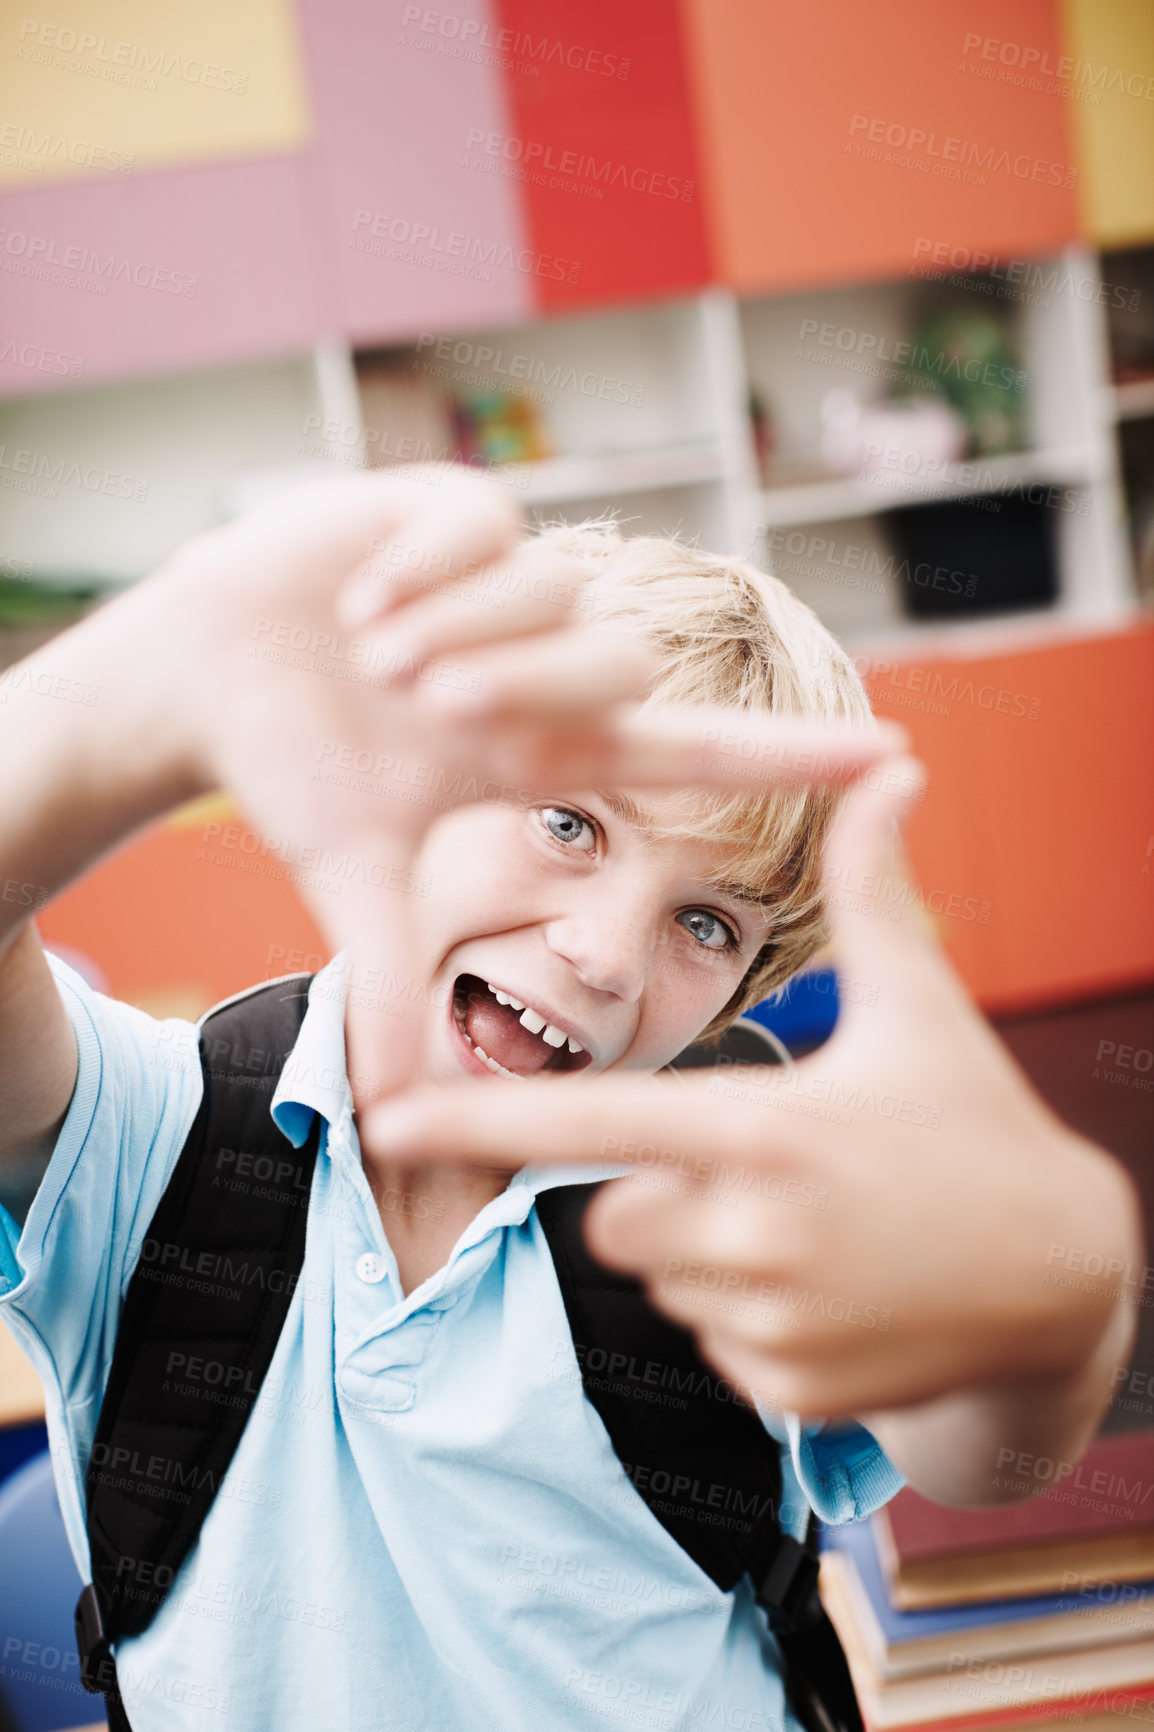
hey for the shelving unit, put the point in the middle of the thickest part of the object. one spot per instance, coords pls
(645, 414)
(829, 501)
(680, 454)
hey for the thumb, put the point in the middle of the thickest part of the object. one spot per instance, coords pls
(368, 923)
(872, 909)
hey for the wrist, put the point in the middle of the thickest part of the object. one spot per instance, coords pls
(97, 739)
(1081, 1277)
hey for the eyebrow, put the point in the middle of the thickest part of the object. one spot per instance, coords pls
(627, 809)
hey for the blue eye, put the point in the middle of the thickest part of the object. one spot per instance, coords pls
(569, 827)
(710, 932)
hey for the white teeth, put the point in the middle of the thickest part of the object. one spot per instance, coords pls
(480, 1052)
(535, 1023)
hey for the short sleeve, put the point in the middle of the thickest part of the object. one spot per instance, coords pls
(63, 1276)
(842, 1469)
(838, 1469)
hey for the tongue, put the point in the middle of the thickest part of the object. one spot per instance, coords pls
(496, 1030)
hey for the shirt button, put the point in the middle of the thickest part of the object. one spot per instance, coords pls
(370, 1267)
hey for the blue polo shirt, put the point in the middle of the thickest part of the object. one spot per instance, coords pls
(425, 1525)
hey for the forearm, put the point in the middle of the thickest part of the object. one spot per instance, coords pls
(1013, 1438)
(95, 740)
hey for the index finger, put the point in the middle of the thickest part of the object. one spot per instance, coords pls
(582, 744)
(453, 524)
(668, 1124)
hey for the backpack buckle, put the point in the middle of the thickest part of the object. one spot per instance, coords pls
(97, 1665)
(788, 1585)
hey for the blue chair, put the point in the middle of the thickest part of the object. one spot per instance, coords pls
(802, 1014)
(19, 1443)
(40, 1688)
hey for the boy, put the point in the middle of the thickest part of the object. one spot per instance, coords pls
(424, 1524)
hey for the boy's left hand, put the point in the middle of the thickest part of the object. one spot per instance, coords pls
(870, 1229)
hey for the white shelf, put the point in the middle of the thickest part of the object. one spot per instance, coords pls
(842, 497)
(649, 403)
(1134, 400)
(993, 634)
(556, 479)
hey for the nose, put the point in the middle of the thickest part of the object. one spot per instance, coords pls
(607, 936)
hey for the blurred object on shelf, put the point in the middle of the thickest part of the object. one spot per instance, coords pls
(1143, 532)
(499, 427)
(1129, 275)
(407, 418)
(969, 358)
(764, 433)
(968, 557)
(1136, 440)
(915, 438)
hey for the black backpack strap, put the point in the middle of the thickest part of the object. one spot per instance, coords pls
(201, 1319)
(698, 1456)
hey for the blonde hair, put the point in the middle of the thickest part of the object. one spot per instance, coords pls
(727, 633)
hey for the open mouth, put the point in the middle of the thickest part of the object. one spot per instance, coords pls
(510, 1037)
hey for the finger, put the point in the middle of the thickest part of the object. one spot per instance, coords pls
(874, 915)
(452, 526)
(366, 913)
(699, 745)
(664, 1126)
(668, 746)
(882, 934)
(534, 590)
(568, 677)
(769, 1377)
(714, 1237)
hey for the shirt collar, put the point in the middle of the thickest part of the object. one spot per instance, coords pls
(315, 1076)
(315, 1080)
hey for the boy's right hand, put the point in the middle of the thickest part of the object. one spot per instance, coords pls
(339, 698)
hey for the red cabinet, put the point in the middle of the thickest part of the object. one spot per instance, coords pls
(600, 142)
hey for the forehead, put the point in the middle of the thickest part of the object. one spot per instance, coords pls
(672, 823)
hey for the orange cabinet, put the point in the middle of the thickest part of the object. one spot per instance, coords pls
(843, 141)
(1034, 848)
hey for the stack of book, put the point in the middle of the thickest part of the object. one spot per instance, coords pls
(1027, 1616)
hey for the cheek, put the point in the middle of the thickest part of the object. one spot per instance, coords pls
(686, 991)
(475, 871)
